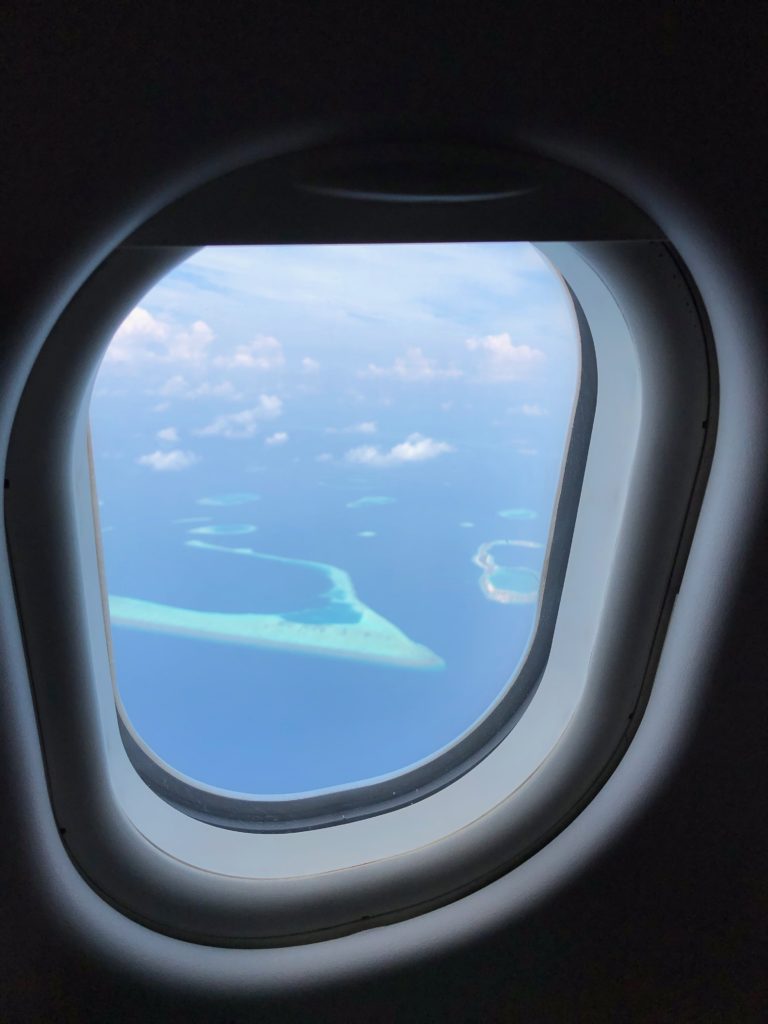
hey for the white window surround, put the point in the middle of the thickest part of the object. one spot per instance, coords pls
(182, 877)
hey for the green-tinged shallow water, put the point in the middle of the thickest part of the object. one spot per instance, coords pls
(225, 529)
(340, 626)
(516, 579)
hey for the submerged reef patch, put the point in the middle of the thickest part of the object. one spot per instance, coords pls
(374, 499)
(230, 500)
(517, 513)
(224, 529)
(341, 626)
(502, 583)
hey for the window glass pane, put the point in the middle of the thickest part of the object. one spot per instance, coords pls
(327, 477)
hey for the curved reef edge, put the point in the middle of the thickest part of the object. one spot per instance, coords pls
(351, 629)
(527, 589)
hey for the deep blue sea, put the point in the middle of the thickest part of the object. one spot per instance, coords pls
(285, 722)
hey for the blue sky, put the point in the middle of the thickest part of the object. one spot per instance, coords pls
(438, 378)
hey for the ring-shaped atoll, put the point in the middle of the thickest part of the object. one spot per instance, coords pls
(502, 583)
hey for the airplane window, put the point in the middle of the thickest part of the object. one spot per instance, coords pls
(385, 538)
(328, 479)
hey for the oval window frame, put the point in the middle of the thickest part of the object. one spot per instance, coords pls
(212, 902)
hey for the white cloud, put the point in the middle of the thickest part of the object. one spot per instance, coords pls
(246, 423)
(278, 438)
(144, 338)
(168, 434)
(141, 322)
(190, 346)
(175, 386)
(415, 448)
(532, 409)
(501, 359)
(179, 387)
(414, 365)
(309, 365)
(138, 338)
(324, 457)
(367, 427)
(262, 353)
(164, 462)
(270, 405)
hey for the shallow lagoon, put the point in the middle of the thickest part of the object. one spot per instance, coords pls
(517, 513)
(516, 580)
(225, 529)
(230, 500)
(373, 499)
(336, 625)
(505, 584)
